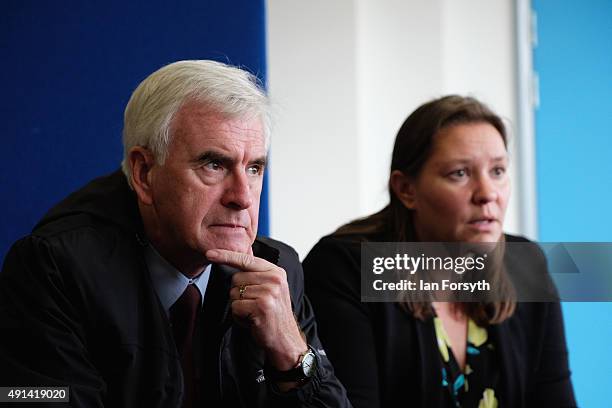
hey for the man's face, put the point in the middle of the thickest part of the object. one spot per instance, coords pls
(206, 194)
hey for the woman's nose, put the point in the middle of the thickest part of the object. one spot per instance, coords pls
(485, 191)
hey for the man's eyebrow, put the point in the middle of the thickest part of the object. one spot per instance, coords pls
(261, 161)
(210, 156)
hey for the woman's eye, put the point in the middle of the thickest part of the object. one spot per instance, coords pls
(458, 174)
(499, 171)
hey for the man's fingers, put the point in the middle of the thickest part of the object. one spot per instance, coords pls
(259, 278)
(244, 291)
(239, 260)
(242, 312)
(247, 310)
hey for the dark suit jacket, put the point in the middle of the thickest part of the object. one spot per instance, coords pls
(77, 308)
(387, 358)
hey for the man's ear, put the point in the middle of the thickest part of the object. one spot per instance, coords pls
(141, 162)
(404, 188)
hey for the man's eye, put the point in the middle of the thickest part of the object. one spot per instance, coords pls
(213, 165)
(254, 169)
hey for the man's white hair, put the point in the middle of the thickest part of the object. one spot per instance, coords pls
(149, 113)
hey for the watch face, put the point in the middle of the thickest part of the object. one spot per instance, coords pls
(309, 364)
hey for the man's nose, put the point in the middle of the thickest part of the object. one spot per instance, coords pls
(237, 194)
(485, 191)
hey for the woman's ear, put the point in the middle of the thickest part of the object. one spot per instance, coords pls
(404, 188)
(141, 162)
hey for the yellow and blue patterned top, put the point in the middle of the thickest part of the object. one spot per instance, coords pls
(475, 386)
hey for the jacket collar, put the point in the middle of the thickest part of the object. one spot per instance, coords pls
(109, 198)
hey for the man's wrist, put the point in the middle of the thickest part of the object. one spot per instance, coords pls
(303, 370)
(288, 357)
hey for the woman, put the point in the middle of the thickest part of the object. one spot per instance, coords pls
(448, 183)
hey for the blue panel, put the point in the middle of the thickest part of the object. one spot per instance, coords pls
(574, 164)
(68, 69)
(573, 132)
(589, 331)
(264, 209)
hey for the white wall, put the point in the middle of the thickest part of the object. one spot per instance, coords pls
(344, 74)
(398, 69)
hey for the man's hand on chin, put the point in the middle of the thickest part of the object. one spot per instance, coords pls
(261, 301)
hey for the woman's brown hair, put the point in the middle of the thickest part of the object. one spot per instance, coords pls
(413, 146)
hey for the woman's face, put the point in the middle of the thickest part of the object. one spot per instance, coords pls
(462, 191)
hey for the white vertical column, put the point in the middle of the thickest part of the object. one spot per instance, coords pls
(314, 172)
(527, 100)
(344, 75)
(399, 54)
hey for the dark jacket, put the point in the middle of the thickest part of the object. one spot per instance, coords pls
(387, 358)
(77, 308)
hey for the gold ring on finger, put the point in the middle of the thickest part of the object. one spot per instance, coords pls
(241, 291)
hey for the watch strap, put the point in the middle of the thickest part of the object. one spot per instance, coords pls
(296, 374)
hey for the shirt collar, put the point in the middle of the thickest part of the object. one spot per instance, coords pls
(168, 282)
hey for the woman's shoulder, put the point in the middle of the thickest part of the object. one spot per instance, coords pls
(517, 238)
(338, 252)
(334, 245)
(524, 252)
(347, 243)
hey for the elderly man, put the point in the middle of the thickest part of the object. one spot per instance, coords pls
(149, 287)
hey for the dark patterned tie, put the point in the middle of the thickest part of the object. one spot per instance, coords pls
(183, 315)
